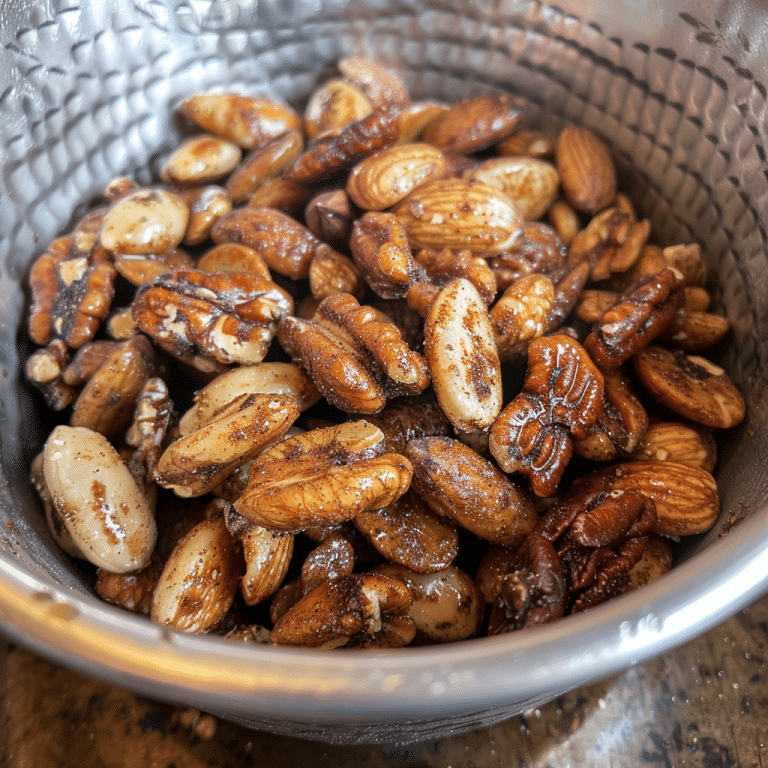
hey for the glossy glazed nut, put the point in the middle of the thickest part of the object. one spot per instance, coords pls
(231, 388)
(458, 214)
(695, 331)
(446, 606)
(586, 169)
(409, 533)
(107, 401)
(690, 386)
(322, 477)
(248, 122)
(527, 142)
(280, 193)
(200, 460)
(532, 184)
(98, 500)
(349, 611)
(332, 558)
(442, 267)
(200, 160)
(656, 560)
(474, 124)
(463, 360)
(330, 272)
(145, 221)
(230, 317)
(521, 314)
(131, 591)
(408, 419)
(151, 420)
(285, 245)
(199, 580)
(138, 269)
(379, 84)
(682, 443)
(44, 285)
(333, 106)
(86, 361)
(594, 303)
(329, 216)
(384, 178)
(568, 283)
(232, 257)
(460, 484)
(415, 117)
(206, 206)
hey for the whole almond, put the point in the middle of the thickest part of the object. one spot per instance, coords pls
(586, 169)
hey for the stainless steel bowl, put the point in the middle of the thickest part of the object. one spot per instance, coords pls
(87, 92)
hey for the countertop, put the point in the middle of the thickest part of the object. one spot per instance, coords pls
(703, 705)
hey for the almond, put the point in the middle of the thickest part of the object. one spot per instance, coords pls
(586, 170)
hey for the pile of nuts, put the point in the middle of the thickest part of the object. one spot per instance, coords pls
(388, 372)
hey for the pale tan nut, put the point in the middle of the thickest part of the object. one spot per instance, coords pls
(378, 83)
(199, 580)
(206, 206)
(200, 160)
(460, 484)
(333, 106)
(107, 401)
(382, 252)
(247, 121)
(521, 314)
(410, 418)
(120, 325)
(463, 359)
(98, 500)
(131, 591)
(228, 391)
(332, 558)
(561, 399)
(384, 178)
(322, 477)
(474, 124)
(264, 163)
(330, 272)
(138, 269)
(446, 606)
(687, 444)
(355, 356)
(695, 331)
(621, 425)
(415, 118)
(284, 195)
(655, 561)
(409, 533)
(349, 611)
(200, 460)
(532, 184)
(44, 286)
(691, 386)
(457, 214)
(145, 221)
(688, 260)
(232, 257)
(330, 216)
(527, 142)
(285, 245)
(229, 317)
(586, 169)
(565, 220)
(44, 369)
(119, 187)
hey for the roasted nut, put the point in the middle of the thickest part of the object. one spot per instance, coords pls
(379, 84)
(415, 117)
(594, 303)
(232, 257)
(690, 386)
(410, 418)
(330, 216)
(460, 484)
(323, 477)
(98, 500)
(332, 558)
(131, 591)
(280, 193)
(200, 160)
(586, 170)
(333, 106)
(206, 206)
(330, 272)
(682, 443)
(688, 261)
(120, 325)
(529, 143)
(694, 331)
(44, 285)
(138, 269)
(45, 368)
(565, 220)
(655, 561)
(568, 283)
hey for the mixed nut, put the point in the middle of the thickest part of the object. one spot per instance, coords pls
(390, 372)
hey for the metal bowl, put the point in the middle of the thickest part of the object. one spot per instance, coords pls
(87, 92)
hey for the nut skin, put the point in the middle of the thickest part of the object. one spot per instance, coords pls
(587, 175)
(330, 216)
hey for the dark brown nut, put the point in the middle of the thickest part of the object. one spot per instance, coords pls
(379, 84)
(474, 124)
(682, 443)
(330, 272)
(384, 178)
(86, 361)
(199, 461)
(232, 257)
(687, 260)
(131, 591)
(531, 183)
(529, 143)
(655, 561)
(44, 286)
(622, 423)
(568, 283)
(248, 122)
(285, 245)
(200, 160)
(380, 247)
(199, 580)
(521, 314)
(323, 477)
(409, 533)
(334, 557)
(284, 599)
(408, 419)
(460, 484)
(52, 517)
(45, 368)
(565, 220)
(586, 170)
(446, 606)
(560, 401)
(349, 611)
(333, 106)
(594, 303)
(530, 590)
(138, 269)
(107, 401)
(442, 267)
(206, 206)
(690, 386)
(355, 356)
(694, 331)
(330, 217)
(457, 214)
(264, 163)
(330, 155)
(230, 317)
(415, 117)
(640, 315)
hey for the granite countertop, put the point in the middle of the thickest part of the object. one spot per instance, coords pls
(703, 705)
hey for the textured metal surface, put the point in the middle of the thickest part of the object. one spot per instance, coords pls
(87, 92)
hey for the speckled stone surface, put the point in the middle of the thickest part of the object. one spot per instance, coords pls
(704, 705)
